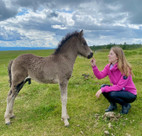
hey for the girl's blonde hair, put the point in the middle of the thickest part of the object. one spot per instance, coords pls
(123, 65)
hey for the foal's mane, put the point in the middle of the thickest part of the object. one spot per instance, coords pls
(66, 38)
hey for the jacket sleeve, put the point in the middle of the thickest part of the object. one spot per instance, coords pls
(119, 86)
(100, 74)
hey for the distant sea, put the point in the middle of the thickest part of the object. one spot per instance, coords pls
(23, 48)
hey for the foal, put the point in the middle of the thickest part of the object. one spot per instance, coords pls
(56, 68)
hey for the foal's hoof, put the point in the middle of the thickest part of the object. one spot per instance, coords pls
(7, 123)
(66, 123)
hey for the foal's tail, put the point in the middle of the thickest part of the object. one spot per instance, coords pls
(9, 72)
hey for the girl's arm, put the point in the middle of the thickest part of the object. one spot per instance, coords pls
(97, 73)
(100, 74)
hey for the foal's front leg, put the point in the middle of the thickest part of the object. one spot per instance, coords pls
(63, 88)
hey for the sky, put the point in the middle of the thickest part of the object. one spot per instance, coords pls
(43, 23)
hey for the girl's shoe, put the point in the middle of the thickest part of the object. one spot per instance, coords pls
(112, 107)
(125, 109)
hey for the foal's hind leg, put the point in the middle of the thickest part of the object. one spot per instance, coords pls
(10, 102)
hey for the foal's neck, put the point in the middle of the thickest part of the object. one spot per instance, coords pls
(69, 52)
(70, 55)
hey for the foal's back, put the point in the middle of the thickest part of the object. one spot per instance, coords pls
(41, 69)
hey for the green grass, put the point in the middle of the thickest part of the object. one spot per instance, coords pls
(38, 106)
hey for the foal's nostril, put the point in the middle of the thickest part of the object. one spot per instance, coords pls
(91, 55)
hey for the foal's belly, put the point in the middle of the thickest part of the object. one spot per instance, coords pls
(50, 81)
(45, 79)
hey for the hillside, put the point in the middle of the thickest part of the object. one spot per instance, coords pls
(38, 106)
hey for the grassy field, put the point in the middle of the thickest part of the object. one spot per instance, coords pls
(38, 106)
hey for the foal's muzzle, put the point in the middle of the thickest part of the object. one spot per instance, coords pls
(90, 56)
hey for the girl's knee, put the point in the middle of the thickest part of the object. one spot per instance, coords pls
(112, 94)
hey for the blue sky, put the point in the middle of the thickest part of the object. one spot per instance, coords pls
(43, 23)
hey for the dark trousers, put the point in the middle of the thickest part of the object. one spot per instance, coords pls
(121, 97)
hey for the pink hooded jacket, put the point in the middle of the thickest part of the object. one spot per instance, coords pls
(119, 81)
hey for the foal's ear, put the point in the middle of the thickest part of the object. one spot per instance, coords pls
(81, 33)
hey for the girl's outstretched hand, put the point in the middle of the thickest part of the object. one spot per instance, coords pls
(98, 93)
(93, 62)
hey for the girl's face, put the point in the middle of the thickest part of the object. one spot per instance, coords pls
(112, 58)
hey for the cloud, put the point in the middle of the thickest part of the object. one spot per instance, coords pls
(45, 23)
(6, 12)
(9, 35)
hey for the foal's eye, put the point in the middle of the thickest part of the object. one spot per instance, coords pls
(84, 43)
